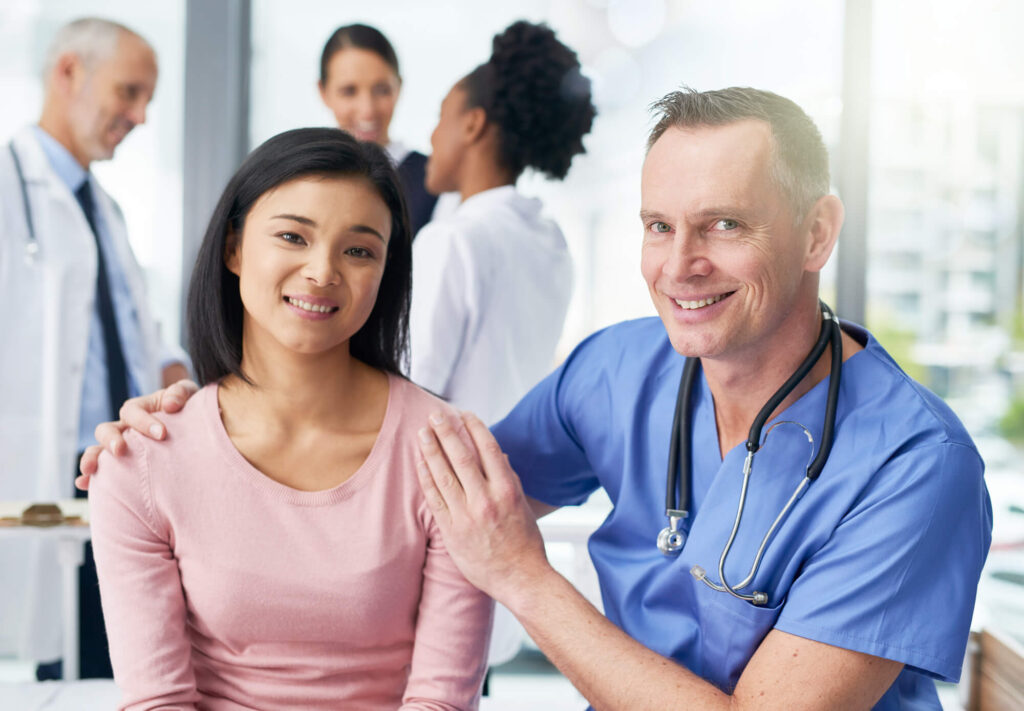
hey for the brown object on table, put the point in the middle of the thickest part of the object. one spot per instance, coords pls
(42, 515)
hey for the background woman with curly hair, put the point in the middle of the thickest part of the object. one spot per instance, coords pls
(493, 279)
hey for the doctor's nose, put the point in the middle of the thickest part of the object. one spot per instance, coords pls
(137, 112)
(688, 258)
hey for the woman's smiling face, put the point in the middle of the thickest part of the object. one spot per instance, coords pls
(309, 263)
(361, 90)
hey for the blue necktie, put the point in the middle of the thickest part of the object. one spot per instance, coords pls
(117, 371)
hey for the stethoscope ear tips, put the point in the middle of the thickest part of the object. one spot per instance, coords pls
(698, 572)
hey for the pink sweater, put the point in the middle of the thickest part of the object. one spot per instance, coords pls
(223, 589)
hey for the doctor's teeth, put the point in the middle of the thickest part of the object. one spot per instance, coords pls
(305, 306)
(689, 305)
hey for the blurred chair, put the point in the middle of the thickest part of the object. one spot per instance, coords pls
(994, 673)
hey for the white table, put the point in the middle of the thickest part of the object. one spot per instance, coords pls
(69, 539)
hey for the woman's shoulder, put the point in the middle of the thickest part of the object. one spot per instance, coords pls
(415, 403)
(195, 420)
(187, 432)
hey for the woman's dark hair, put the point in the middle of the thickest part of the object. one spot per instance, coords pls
(360, 37)
(533, 90)
(214, 304)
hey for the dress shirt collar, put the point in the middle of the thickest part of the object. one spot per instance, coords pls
(503, 193)
(63, 163)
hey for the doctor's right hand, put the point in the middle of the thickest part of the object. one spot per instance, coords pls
(136, 414)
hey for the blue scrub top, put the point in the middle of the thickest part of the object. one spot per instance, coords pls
(882, 554)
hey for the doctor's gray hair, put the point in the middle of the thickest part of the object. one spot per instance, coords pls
(799, 157)
(92, 39)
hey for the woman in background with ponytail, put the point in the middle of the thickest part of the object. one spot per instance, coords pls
(493, 278)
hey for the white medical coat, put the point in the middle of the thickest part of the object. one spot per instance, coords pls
(491, 287)
(492, 281)
(45, 312)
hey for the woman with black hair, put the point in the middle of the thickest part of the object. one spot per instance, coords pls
(494, 278)
(360, 84)
(276, 551)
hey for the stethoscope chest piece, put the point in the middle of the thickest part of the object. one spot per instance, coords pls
(671, 542)
(671, 539)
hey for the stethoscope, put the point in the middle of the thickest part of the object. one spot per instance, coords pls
(671, 539)
(31, 244)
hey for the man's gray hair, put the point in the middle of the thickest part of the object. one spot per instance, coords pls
(92, 39)
(799, 157)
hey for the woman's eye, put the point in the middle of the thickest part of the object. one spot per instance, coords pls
(726, 224)
(360, 252)
(292, 238)
(382, 90)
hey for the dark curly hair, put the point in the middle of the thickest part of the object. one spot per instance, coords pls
(533, 91)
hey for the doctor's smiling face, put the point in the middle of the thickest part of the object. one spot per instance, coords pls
(309, 264)
(107, 100)
(724, 259)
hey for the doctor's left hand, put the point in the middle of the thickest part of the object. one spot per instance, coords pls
(136, 414)
(489, 528)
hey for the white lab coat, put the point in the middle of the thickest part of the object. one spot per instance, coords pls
(492, 280)
(45, 312)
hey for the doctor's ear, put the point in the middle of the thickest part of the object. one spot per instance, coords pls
(823, 223)
(67, 71)
(232, 256)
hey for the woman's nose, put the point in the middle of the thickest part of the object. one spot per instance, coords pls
(321, 269)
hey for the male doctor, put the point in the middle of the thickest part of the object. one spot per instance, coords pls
(79, 336)
(868, 582)
(866, 585)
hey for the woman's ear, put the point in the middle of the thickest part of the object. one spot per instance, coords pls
(823, 224)
(232, 253)
(475, 123)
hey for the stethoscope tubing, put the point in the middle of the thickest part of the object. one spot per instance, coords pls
(679, 456)
(31, 244)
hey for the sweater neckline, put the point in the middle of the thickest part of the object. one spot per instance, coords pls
(275, 489)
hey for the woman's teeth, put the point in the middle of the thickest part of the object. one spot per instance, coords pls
(690, 305)
(310, 307)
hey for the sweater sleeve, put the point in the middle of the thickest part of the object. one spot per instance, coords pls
(140, 587)
(452, 634)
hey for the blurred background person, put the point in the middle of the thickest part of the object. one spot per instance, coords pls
(80, 339)
(360, 83)
(494, 277)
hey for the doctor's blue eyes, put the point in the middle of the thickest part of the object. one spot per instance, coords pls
(722, 225)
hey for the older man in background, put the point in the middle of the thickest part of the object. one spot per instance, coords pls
(80, 339)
